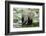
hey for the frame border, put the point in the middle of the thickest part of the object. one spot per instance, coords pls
(7, 15)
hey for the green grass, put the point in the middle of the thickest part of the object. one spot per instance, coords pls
(27, 25)
(32, 25)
